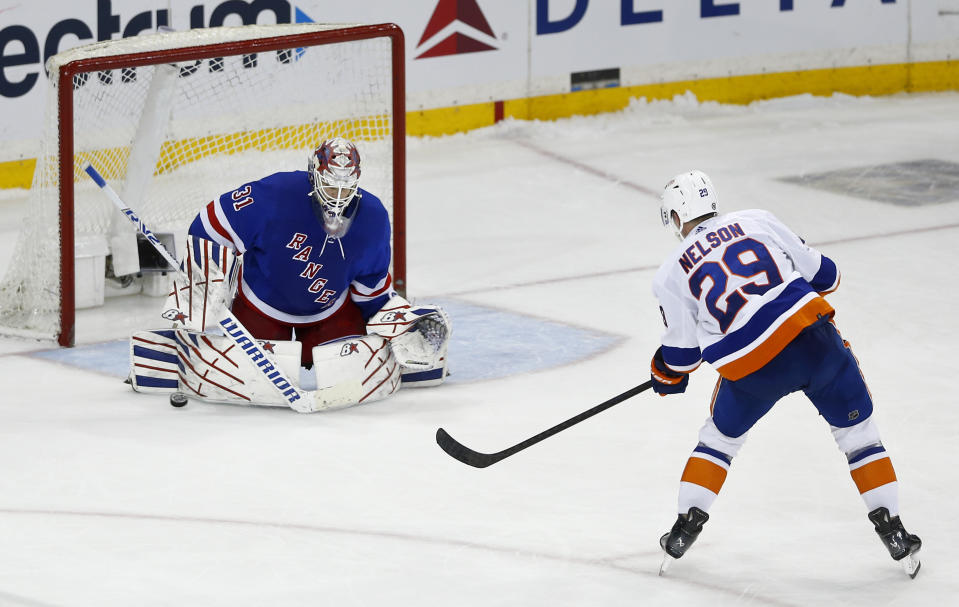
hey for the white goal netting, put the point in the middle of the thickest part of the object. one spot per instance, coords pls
(172, 136)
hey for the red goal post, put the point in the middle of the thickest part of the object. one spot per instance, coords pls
(242, 102)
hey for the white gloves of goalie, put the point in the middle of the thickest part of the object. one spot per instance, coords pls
(419, 336)
(200, 299)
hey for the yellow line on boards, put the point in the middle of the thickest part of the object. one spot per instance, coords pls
(874, 80)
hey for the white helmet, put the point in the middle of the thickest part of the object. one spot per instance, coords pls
(689, 195)
(334, 171)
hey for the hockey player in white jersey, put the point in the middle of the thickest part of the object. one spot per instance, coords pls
(745, 294)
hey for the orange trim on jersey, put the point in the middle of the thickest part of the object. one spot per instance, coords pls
(712, 401)
(848, 346)
(780, 338)
(704, 473)
(836, 286)
(874, 474)
(687, 371)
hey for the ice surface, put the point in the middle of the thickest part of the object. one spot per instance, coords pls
(532, 234)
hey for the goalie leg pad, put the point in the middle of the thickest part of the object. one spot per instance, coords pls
(212, 368)
(353, 370)
(154, 364)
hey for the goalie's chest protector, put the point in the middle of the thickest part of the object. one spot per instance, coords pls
(292, 270)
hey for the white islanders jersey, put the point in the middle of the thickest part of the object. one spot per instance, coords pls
(739, 288)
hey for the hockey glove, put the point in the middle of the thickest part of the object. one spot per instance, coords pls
(665, 380)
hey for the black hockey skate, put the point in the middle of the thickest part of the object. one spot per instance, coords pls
(902, 545)
(681, 536)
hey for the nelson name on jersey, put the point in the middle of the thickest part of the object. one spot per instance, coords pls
(696, 252)
(737, 290)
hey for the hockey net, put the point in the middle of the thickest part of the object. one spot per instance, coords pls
(174, 119)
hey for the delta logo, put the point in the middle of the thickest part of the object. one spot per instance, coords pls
(456, 27)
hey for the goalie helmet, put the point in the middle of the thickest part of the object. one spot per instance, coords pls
(334, 170)
(690, 195)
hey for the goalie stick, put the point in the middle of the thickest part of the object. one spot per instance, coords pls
(481, 460)
(299, 400)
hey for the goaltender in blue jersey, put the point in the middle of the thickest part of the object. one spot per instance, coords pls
(302, 260)
(293, 271)
(315, 249)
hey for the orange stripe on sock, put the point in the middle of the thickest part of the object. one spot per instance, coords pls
(780, 338)
(704, 473)
(874, 474)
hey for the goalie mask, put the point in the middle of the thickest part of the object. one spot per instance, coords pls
(690, 195)
(334, 171)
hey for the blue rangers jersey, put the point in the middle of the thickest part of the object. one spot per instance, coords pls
(292, 271)
(737, 290)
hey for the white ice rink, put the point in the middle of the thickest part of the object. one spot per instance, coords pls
(541, 239)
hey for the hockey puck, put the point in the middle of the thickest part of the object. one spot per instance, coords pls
(178, 400)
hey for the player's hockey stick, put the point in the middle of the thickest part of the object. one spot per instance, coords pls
(297, 399)
(482, 460)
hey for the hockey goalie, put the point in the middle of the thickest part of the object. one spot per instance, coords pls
(301, 260)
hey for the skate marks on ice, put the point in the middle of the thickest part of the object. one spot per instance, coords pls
(14, 600)
(638, 565)
(487, 343)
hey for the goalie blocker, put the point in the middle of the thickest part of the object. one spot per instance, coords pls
(406, 344)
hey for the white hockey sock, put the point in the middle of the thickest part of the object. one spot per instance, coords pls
(869, 465)
(702, 478)
(875, 478)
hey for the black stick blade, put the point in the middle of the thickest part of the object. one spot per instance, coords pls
(482, 460)
(461, 452)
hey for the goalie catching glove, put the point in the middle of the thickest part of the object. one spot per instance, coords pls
(665, 380)
(419, 336)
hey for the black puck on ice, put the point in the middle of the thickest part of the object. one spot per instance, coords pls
(178, 400)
